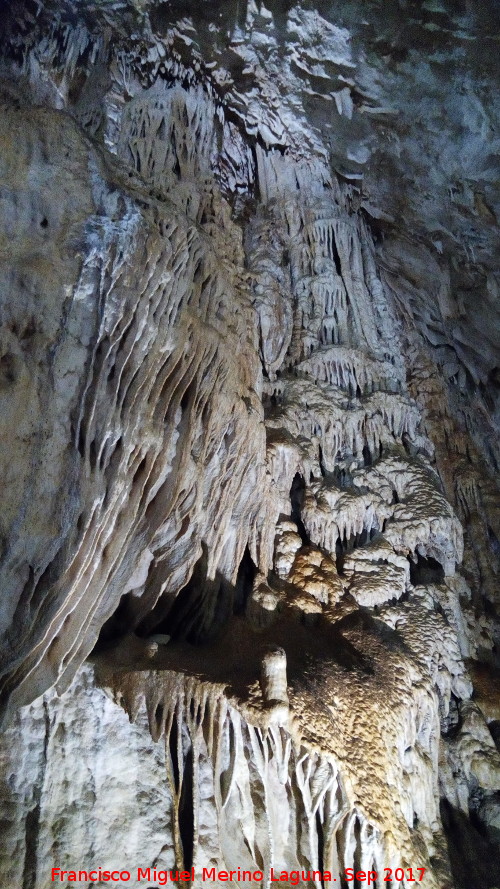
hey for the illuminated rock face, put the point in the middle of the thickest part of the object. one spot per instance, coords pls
(237, 474)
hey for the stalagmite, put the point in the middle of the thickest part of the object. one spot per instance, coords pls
(273, 678)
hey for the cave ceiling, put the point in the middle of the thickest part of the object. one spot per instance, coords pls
(400, 98)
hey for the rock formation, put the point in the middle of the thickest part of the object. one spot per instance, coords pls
(250, 405)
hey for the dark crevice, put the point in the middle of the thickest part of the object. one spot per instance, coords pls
(342, 477)
(159, 715)
(336, 259)
(474, 859)
(187, 397)
(297, 492)
(357, 852)
(321, 842)
(363, 537)
(139, 472)
(30, 863)
(81, 441)
(322, 462)
(186, 812)
(93, 454)
(244, 582)
(425, 571)
(339, 558)
(494, 728)
(173, 741)
(200, 610)
(346, 545)
(119, 624)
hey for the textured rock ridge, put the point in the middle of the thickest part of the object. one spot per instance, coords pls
(249, 450)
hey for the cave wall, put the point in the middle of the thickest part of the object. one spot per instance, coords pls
(248, 408)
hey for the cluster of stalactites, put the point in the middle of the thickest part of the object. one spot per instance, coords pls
(230, 772)
(163, 406)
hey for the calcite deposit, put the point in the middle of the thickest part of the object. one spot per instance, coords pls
(249, 422)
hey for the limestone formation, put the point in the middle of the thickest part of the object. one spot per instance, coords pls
(249, 386)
